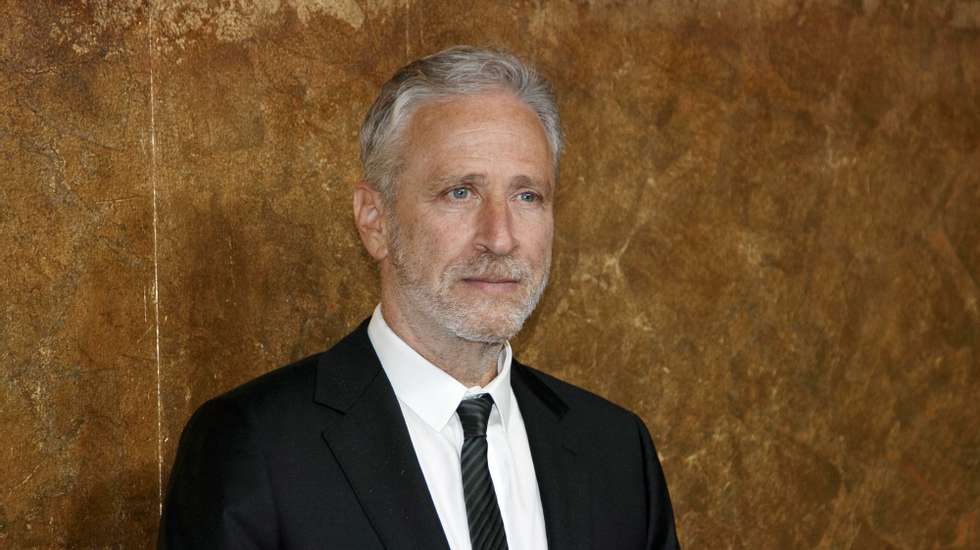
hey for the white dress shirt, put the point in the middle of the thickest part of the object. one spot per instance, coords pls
(428, 397)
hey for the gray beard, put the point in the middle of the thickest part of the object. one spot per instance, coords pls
(488, 320)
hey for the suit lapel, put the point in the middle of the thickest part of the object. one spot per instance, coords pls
(563, 479)
(371, 443)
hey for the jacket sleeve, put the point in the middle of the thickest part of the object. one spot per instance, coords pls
(219, 493)
(661, 532)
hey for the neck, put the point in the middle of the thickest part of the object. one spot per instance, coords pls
(470, 363)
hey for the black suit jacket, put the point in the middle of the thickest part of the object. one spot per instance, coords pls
(317, 455)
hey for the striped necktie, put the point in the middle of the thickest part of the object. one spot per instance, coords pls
(482, 512)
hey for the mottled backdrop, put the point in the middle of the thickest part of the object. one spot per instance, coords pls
(768, 243)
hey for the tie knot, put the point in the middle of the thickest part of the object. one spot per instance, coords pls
(474, 414)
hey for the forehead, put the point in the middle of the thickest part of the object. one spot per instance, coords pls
(475, 108)
(489, 126)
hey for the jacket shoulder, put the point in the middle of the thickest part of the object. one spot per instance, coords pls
(292, 381)
(296, 384)
(576, 399)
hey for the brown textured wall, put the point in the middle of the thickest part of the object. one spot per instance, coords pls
(768, 243)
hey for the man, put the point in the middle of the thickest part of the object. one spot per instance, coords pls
(419, 429)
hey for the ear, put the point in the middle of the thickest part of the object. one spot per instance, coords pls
(370, 220)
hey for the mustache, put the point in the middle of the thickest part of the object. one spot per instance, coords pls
(491, 266)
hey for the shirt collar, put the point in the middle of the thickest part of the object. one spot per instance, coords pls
(429, 391)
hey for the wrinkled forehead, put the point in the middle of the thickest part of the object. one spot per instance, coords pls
(493, 125)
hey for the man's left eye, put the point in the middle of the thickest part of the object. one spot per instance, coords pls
(528, 196)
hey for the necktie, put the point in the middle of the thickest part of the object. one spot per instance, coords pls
(482, 512)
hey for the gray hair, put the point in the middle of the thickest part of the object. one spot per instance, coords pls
(457, 71)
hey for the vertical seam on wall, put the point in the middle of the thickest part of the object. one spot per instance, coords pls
(156, 263)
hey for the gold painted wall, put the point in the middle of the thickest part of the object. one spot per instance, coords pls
(768, 243)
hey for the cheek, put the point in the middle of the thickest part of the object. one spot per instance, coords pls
(436, 248)
(540, 237)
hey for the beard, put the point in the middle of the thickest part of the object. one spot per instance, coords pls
(466, 313)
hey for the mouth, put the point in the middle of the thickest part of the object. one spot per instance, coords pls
(492, 285)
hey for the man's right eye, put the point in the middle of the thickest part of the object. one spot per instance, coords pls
(459, 193)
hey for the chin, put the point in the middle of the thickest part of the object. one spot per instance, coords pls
(490, 327)
(484, 334)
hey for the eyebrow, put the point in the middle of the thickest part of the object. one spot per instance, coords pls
(480, 179)
(527, 181)
(454, 179)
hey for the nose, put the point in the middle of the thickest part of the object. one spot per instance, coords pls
(495, 230)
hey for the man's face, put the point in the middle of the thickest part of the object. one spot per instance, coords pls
(470, 234)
